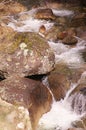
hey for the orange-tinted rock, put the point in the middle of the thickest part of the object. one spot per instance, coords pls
(44, 14)
(42, 29)
(28, 93)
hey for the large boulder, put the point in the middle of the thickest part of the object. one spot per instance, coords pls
(30, 94)
(25, 54)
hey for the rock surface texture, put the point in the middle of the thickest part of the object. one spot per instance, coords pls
(25, 54)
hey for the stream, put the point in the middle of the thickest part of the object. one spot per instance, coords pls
(61, 116)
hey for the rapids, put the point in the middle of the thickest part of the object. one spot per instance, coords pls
(61, 116)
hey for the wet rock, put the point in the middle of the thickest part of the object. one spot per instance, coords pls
(44, 14)
(81, 32)
(76, 128)
(78, 20)
(62, 20)
(22, 16)
(72, 31)
(13, 117)
(59, 82)
(81, 124)
(69, 40)
(61, 78)
(25, 54)
(84, 55)
(55, 33)
(28, 93)
(42, 29)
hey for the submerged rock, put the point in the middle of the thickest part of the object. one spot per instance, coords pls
(28, 93)
(25, 54)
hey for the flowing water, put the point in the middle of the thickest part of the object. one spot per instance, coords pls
(62, 115)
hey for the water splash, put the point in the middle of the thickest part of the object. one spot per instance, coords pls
(70, 56)
(61, 115)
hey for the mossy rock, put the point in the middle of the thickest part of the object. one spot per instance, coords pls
(25, 53)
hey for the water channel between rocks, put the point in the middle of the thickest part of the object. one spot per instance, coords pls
(61, 115)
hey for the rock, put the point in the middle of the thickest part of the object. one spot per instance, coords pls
(14, 117)
(55, 33)
(61, 78)
(42, 29)
(69, 40)
(76, 128)
(25, 54)
(62, 20)
(44, 14)
(5, 31)
(10, 8)
(78, 20)
(72, 31)
(84, 55)
(28, 93)
(59, 81)
(81, 32)
(22, 16)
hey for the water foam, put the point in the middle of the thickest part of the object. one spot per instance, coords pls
(62, 12)
(61, 115)
(70, 56)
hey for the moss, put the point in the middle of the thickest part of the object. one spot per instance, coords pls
(32, 40)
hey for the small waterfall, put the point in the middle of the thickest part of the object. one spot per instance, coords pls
(66, 111)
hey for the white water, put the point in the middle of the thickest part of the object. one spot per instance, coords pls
(63, 53)
(61, 115)
(62, 12)
(29, 24)
(69, 56)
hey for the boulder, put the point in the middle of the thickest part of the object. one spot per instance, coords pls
(44, 14)
(30, 94)
(24, 54)
(55, 33)
(60, 79)
(78, 20)
(14, 117)
(10, 8)
(70, 40)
